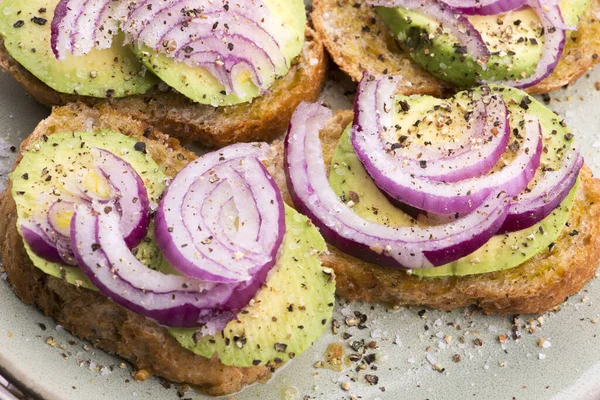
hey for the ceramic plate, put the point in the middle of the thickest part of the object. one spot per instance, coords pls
(557, 356)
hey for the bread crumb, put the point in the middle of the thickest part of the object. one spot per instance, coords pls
(141, 375)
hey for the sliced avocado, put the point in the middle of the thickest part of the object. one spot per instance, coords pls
(39, 177)
(287, 25)
(287, 315)
(114, 72)
(502, 251)
(515, 41)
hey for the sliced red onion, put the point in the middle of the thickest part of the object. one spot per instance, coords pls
(474, 156)
(554, 43)
(484, 7)
(227, 38)
(131, 195)
(40, 242)
(400, 247)
(55, 215)
(128, 197)
(530, 207)
(436, 197)
(79, 26)
(171, 300)
(450, 19)
(189, 227)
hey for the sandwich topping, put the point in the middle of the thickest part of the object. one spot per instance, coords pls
(397, 196)
(219, 52)
(515, 42)
(219, 240)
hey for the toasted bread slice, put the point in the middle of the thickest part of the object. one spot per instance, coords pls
(533, 287)
(89, 314)
(358, 40)
(265, 118)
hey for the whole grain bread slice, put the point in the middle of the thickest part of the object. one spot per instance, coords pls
(536, 286)
(89, 314)
(358, 40)
(263, 119)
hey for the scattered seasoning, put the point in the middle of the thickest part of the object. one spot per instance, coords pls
(39, 20)
(456, 358)
(478, 342)
(140, 146)
(525, 102)
(280, 347)
(372, 379)
(19, 23)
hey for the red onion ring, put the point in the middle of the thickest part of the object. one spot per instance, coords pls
(484, 7)
(188, 224)
(171, 300)
(437, 197)
(467, 160)
(41, 243)
(554, 43)
(128, 198)
(552, 188)
(448, 17)
(399, 247)
(228, 38)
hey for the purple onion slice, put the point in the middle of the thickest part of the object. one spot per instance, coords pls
(555, 38)
(399, 247)
(171, 300)
(195, 235)
(437, 197)
(484, 7)
(530, 207)
(229, 39)
(450, 19)
(126, 194)
(475, 155)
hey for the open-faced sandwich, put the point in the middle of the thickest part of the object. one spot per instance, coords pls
(219, 72)
(481, 199)
(193, 269)
(535, 45)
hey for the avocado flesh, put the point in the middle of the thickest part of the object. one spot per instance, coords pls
(292, 309)
(113, 72)
(287, 315)
(512, 57)
(286, 25)
(502, 251)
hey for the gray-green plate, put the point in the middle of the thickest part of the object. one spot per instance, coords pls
(409, 344)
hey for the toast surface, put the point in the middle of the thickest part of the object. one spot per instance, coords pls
(263, 119)
(534, 287)
(358, 40)
(89, 314)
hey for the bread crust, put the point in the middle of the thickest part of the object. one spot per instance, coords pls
(340, 26)
(534, 287)
(263, 119)
(89, 314)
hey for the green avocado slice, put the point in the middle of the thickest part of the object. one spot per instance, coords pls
(114, 72)
(287, 315)
(515, 40)
(287, 25)
(502, 251)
